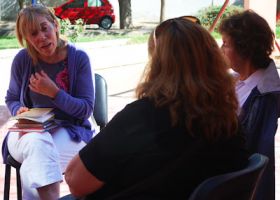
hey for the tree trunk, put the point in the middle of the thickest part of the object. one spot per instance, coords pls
(20, 3)
(125, 14)
(162, 11)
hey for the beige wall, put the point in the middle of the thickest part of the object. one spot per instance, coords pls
(265, 8)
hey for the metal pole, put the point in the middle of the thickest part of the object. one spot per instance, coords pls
(219, 15)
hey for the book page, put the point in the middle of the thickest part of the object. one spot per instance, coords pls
(36, 114)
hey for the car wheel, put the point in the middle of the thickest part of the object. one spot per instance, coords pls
(106, 23)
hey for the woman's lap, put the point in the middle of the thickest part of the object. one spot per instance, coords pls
(44, 156)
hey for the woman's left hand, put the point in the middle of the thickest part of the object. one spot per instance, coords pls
(41, 83)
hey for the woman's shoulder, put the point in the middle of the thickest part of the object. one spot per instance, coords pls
(144, 108)
(141, 104)
(270, 82)
(22, 53)
(22, 59)
(140, 107)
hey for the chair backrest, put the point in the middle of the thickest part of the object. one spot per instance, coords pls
(239, 185)
(100, 112)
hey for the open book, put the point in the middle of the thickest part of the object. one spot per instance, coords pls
(39, 115)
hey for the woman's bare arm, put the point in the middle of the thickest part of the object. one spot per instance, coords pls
(80, 181)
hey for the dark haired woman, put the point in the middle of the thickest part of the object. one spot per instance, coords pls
(248, 43)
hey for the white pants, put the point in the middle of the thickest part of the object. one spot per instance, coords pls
(44, 157)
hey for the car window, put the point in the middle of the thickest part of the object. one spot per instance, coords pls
(76, 4)
(94, 3)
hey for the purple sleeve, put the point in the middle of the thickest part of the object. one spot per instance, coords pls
(80, 102)
(14, 92)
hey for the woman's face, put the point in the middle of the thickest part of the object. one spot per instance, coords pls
(230, 53)
(44, 40)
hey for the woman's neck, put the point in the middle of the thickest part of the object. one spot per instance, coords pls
(59, 55)
(246, 70)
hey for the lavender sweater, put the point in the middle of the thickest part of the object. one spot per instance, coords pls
(72, 109)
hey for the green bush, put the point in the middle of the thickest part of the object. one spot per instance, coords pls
(277, 32)
(209, 14)
(71, 31)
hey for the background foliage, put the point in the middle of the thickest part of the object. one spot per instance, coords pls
(72, 32)
(207, 15)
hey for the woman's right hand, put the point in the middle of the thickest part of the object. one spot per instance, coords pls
(22, 109)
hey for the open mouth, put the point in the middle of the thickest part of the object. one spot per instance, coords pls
(46, 46)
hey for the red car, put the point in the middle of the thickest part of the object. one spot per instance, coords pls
(99, 12)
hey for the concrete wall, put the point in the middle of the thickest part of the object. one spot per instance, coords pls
(265, 8)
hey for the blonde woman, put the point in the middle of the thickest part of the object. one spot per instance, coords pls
(48, 72)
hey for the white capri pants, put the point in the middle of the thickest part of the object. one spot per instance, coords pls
(44, 157)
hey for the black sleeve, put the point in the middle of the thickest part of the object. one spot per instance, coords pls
(133, 144)
(103, 155)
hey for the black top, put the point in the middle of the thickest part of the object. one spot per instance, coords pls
(139, 155)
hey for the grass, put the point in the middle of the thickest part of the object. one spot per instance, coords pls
(132, 39)
(10, 42)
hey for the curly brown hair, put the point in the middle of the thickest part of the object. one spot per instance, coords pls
(188, 74)
(251, 36)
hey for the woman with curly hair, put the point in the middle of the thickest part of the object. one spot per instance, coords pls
(248, 43)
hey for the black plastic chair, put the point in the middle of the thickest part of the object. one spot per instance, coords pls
(100, 115)
(100, 112)
(241, 185)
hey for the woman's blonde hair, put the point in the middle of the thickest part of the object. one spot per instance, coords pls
(27, 22)
(188, 74)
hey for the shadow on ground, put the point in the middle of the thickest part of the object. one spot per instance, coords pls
(4, 115)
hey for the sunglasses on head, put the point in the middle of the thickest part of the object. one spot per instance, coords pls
(191, 18)
(163, 25)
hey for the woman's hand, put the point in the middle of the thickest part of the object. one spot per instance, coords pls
(41, 83)
(21, 110)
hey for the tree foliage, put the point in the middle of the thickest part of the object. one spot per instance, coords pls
(208, 15)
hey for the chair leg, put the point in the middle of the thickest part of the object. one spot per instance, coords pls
(19, 191)
(7, 182)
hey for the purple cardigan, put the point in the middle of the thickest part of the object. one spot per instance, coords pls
(74, 108)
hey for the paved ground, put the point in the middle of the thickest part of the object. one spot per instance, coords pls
(121, 65)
